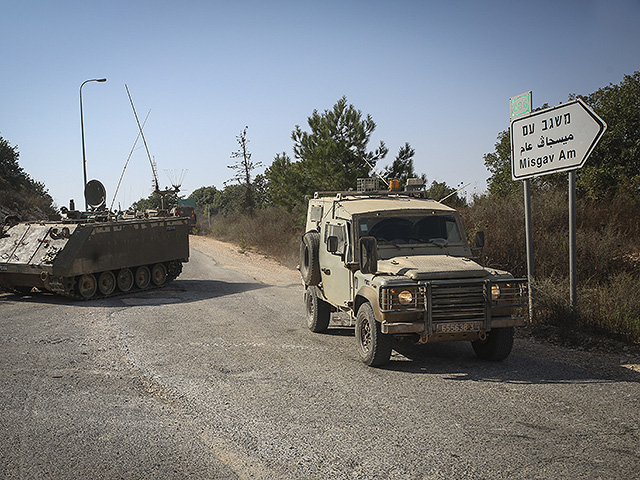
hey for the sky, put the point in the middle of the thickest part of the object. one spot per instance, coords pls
(435, 74)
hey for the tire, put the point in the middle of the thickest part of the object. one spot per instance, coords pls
(497, 346)
(309, 262)
(374, 347)
(318, 311)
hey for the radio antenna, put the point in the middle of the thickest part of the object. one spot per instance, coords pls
(453, 193)
(153, 168)
(127, 162)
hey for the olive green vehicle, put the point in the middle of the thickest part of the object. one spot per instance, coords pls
(88, 255)
(401, 267)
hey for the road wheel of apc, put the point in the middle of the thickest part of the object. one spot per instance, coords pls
(374, 347)
(497, 346)
(125, 280)
(318, 311)
(87, 285)
(158, 274)
(106, 283)
(309, 262)
(143, 277)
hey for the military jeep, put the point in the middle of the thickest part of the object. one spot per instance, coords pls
(398, 265)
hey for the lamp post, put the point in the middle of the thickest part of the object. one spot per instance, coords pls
(84, 158)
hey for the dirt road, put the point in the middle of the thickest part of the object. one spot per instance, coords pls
(216, 376)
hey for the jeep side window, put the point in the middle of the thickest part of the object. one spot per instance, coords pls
(335, 239)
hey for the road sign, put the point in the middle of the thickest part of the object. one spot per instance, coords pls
(557, 139)
(520, 105)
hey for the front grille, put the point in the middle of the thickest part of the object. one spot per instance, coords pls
(457, 302)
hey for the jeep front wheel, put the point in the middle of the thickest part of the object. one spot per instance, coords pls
(318, 311)
(374, 347)
(497, 346)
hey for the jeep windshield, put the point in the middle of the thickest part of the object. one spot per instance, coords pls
(440, 230)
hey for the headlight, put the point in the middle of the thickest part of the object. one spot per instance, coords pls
(405, 297)
(401, 298)
(495, 292)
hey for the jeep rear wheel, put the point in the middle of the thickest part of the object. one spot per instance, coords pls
(318, 311)
(309, 262)
(374, 347)
(497, 346)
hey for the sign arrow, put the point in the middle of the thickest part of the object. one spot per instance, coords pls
(557, 139)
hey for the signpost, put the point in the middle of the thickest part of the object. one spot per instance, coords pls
(520, 106)
(557, 139)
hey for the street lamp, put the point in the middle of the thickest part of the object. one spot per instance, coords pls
(84, 158)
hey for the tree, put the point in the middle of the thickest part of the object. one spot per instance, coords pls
(155, 201)
(402, 166)
(440, 190)
(614, 165)
(18, 191)
(498, 163)
(204, 196)
(243, 168)
(286, 182)
(332, 155)
(334, 151)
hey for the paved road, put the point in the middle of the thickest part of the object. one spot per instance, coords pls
(216, 376)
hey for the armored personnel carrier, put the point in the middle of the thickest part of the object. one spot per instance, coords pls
(96, 254)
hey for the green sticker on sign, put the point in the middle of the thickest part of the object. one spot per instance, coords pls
(520, 105)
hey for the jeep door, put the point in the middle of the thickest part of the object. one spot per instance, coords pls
(335, 252)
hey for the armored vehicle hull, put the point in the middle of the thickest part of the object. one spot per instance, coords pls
(89, 258)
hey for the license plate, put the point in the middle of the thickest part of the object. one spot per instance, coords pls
(459, 327)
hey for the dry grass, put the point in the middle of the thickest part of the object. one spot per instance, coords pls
(608, 257)
(270, 231)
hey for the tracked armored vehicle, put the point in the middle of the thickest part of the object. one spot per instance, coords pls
(89, 255)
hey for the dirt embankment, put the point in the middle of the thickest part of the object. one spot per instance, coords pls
(257, 265)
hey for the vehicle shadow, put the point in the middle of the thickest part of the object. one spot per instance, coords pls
(339, 331)
(458, 362)
(178, 291)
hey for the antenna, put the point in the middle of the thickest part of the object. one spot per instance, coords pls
(374, 171)
(176, 178)
(453, 193)
(153, 168)
(127, 163)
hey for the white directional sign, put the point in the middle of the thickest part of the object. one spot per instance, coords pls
(557, 139)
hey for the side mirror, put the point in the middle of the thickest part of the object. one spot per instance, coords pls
(480, 239)
(332, 244)
(368, 255)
